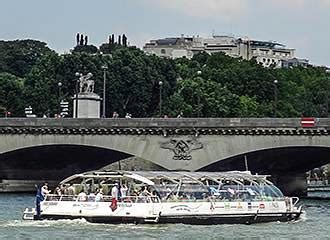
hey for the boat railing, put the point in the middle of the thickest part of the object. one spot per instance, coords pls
(294, 201)
(105, 198)
(217, 199)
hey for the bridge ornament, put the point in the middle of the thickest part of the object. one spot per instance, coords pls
(182, 148)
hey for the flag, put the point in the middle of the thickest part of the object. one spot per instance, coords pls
(113, 204)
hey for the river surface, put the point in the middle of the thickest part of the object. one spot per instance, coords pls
(315, 224)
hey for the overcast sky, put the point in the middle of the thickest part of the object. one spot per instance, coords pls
(299, 24)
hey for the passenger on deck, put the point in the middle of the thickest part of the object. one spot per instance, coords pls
(82, 197)
(44, 190)
(91, 197)
(123, 191)
(114, 191)
(71, 190)
(58, 191)
(144, 191)
(99, 196)
(63, 189)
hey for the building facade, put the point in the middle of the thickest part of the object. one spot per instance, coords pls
(267, 53)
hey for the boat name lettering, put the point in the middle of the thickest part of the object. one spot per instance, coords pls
(50, 204)
(125, 205)
(86, 205)
(181, 208)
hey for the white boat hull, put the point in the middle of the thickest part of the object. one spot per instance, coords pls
(171, 212)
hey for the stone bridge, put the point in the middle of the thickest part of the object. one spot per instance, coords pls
(56, 148)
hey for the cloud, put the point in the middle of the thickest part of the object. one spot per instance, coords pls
(227, 10)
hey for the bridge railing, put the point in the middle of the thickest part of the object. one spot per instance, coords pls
(162, 122)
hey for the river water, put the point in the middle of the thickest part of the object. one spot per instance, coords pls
(315, 224)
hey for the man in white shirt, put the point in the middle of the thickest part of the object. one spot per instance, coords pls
(114, 191)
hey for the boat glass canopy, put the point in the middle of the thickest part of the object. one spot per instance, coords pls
(174, 186)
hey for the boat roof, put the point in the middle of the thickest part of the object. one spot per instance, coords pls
(148, 177)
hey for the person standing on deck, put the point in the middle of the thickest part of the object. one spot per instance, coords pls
(44, 189)
(114, 191)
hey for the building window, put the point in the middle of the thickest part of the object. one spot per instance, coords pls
(163, 51)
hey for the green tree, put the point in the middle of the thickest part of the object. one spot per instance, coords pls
(91, 49)
(11, 88)
(202, 98)
(248, 107)
(19, 56)
(41, 86)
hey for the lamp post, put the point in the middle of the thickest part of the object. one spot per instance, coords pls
(198, 96)
(160, 83)
(327, 89)
(78, 75)
(275, 97)
(59, 84)
(105, 68)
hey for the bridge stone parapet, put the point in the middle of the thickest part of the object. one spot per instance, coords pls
(60, 147)
(165, 127)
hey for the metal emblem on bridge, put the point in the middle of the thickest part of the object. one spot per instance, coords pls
(182, 148)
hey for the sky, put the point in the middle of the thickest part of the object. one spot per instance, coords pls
(299, 24)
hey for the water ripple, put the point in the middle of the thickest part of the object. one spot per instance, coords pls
(313, 224)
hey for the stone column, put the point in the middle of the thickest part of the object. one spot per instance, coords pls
(88, 105)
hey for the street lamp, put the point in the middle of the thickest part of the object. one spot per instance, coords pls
(327, 89)
(198, 95)
(275, 97)
(78, 75)
(105, 68)
(59, 84)
(160, 83)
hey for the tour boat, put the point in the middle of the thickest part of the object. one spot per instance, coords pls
(167, 197)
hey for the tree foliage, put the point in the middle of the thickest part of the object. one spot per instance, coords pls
(11, 88)
(19, 56)
(205, 86)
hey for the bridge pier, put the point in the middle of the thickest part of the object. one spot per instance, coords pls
(291, 185)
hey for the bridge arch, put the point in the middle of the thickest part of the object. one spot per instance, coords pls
(57, 161)
(281, 160)
(222, 151)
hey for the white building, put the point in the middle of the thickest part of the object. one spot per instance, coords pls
(266, 52)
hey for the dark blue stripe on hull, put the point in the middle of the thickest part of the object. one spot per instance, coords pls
(221, 219)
